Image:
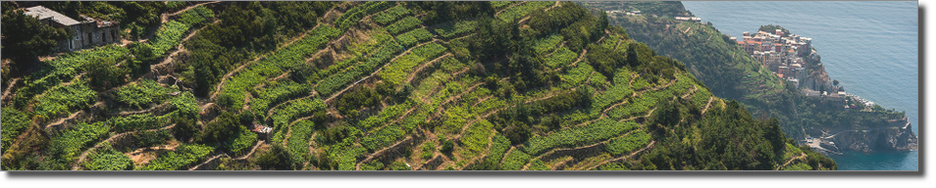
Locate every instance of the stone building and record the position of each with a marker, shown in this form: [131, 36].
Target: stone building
[89, 32]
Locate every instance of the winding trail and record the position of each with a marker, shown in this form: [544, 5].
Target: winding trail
[605, 111]
[708, 105]
[476, 118]
[216, 157]
[149, 110]
[84, 155]
[205, 106]
[381, 152]
[482, 100]
[602, 37]
[508, 7]
[423, 66]
[462, 71]
[801, 156]
[556, 49]
[624, 158]
[580, 57]
[562, 163]
[7, 91]
[225, 78]
[179, 49]
[619, 43]
[690, 92]
[508, 153]
[254, 149]
[62, 121]
[450, 99]
[72, 116]
[332, 97]
[558, 150]
[289, 128]
[638, 117]
[269, 115]
[165, 17]
[485, 152]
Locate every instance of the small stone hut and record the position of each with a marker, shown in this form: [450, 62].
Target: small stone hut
[89, 32]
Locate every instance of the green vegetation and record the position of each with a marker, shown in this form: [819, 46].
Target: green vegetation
[561, 58]
[515, 160]
[25, 37]
[67, 145]
[396, 72]
[276, 94]
[600, 130]
[234, 91]
[476, 139]
[548, 44]
[628, 143]
[403, 25]
[410, 38]
[64, 99]
[334, 82]
[108, 159]
[730, 73]
[299, 140]
[455, 30]
[537, 164]
[241, 143]
[391, 14]
[14, 123]
[351, 17]
[380, 86]
[168, 36]
[501, 4]
[296, 109]
[137, 122]
[63, 69]
[142, 94]
[183, 156]
[428, 150]
[519, 11]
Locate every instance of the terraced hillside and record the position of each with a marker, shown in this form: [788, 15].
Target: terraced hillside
[726, 68]
[394, 86]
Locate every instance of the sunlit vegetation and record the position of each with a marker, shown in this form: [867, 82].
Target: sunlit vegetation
[380, 86]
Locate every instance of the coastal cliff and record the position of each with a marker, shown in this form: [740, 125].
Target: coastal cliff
[886, 131]
[811, 111]
[895, 136]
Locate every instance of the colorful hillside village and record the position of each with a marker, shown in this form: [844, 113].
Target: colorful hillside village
[783, 55]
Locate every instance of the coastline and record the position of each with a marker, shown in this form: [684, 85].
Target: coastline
[761, 92]
[793, 59]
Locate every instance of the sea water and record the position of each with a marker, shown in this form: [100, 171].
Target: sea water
[870, 47]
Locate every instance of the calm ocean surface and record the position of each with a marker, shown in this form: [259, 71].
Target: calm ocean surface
[870, 47]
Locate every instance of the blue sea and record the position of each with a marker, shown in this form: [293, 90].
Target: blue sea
[870, 47]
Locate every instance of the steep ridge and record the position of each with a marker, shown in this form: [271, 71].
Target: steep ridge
[732, 73]
[465, 85]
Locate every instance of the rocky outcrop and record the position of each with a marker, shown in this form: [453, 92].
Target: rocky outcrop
[896, 136]
[897, 139]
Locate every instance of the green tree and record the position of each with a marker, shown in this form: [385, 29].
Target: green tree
[104, 74]
[24, 38]
[277, 158]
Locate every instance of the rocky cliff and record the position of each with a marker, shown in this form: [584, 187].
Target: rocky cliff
[894, 136]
